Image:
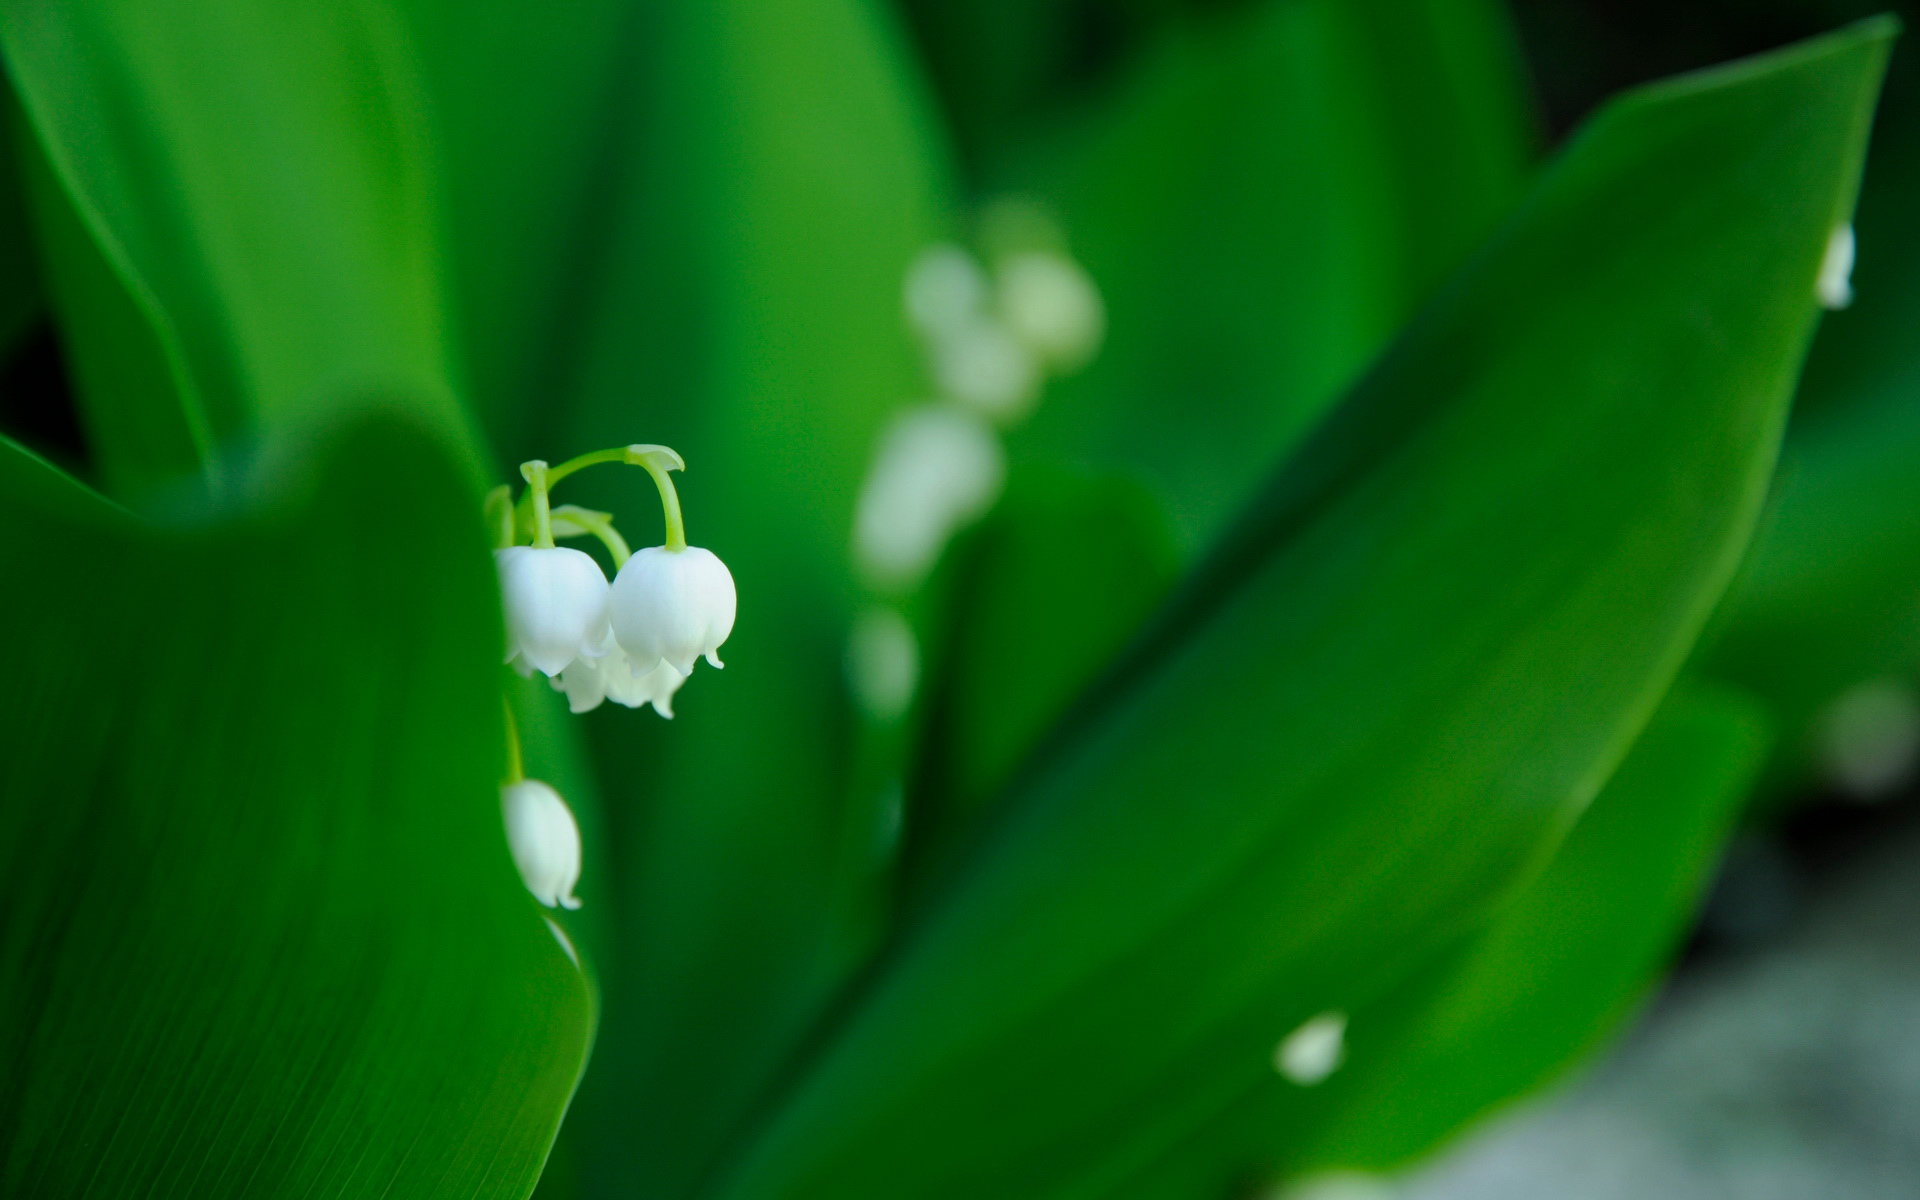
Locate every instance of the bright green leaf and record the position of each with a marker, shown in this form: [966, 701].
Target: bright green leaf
[1423, 650]
[260, 934]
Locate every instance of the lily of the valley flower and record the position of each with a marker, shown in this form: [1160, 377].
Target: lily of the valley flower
[556, 606]
[1835, 286]
[589, 682]
[544, 840]
[673, 604]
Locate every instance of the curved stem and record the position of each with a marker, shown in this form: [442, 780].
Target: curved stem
[657, 466]
[538, 476]
[598, 524]
[556, 474]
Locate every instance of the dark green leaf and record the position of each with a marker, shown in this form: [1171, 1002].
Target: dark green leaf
[255, 182]
[260, 934]
[1424, 649]
[1263, 204]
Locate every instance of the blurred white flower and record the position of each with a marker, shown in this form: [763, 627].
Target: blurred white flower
[883, 663]
[1835, 287]
[1314, 1051]
[985, 367]
[588, 682]
[545, 841]
[945, 291]
[675, 605]
[556, 606]
[1050, 303]
[937, 468]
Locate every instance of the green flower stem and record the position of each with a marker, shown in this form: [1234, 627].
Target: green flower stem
[658, 460]
[516, 770]
[537, 476]
[598, 524]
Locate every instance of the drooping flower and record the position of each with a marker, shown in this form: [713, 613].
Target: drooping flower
[588, 682]
[545, 841]
[673, 604]
[556, 606]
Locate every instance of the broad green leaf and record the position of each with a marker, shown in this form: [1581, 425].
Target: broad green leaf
[1562, 964]
[778, 180]
[253, 179]
[1424, 649]
[1263, 204]
[260, 934]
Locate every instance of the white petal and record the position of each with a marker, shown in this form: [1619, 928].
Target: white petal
[556, 604]
[1835, 287]
[1314, 1051]
[585, 683]
[545, 841]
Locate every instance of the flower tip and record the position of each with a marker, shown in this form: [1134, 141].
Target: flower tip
[570, 902]
[664, 457]
[713, 657]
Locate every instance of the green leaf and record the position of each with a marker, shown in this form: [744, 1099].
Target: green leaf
[778, 181]
[260, 934]
[255, 181]
[1425, 648]
[1563, 964]
[20, 298]
[1047, 593]
[1263, 205]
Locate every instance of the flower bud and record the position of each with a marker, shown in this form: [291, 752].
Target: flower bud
[1050, 303]
[556, 605]
[544, 840]
[672, 605]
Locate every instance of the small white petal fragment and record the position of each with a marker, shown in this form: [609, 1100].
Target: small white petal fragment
[945, 292]
[1836, 270]
[1870, 738]
[883, 663]
[1314, 1051]
[676, 605]
[556, 606]
[937, 469]
[1050, 303]
[545, 841]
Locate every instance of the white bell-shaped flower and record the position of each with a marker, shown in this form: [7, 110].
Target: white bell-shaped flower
[556, 605]
[673, 604]
[545, 841]
[589, 682]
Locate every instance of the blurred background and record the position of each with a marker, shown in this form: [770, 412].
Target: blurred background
[1782, 1059]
